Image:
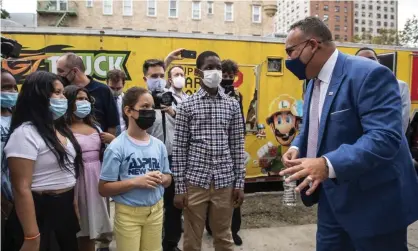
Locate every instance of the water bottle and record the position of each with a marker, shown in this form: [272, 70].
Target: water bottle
[289, 195]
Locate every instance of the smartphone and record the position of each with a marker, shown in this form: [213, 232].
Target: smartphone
[188, 54]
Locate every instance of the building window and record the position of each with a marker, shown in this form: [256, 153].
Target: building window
[371, 14]
[392, 25]
[371, 30]
[363, 14]
[256, 14]
[89, 3]
[385, 16]
[378, 8]
[337, 28]
[345, 38]
[173, 8]
[316, 6]
[337, 37]
[356, 29]
[379, 23]
[363, 7]
[229, 12]
[356, 21]
[196, 11]
[337, 18]
[345, 28]
[370, 22]
[127, 8]
[337, 8]
[392, 9]
[152, 8]
[385, 2]
[345, 9]
[392, 2]
[385, 8]
[385, 24]
[363, 22]
[325, 18]
[363, 29]
[370, 7]
[356, 14]
[379, 15]
[107, 7]
[210, 8]
[345, 18]
[326, 8]
[392, 17]
[356, 5]
[58, 5]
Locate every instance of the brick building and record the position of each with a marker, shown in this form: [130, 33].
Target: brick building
[338, 15]
[206, 17]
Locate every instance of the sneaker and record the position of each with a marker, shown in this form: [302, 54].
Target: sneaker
[237, 239]
[173, 249]
[103, 249]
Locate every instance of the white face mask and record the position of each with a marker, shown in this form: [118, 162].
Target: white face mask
[212, 78]
[178, 82]
[156, 84]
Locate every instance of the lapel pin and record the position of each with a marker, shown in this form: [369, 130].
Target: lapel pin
[330, 93]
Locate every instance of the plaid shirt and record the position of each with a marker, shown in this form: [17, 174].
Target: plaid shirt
[208, 143]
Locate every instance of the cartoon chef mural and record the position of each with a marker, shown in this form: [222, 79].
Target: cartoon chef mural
[285, 118]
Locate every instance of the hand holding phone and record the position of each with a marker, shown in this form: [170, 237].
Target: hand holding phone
[188, 54]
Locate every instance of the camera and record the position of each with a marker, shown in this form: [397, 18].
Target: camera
[162, 98]
[10, 48]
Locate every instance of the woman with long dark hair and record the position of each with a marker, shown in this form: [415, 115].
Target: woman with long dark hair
[94, 219]
[44, 160]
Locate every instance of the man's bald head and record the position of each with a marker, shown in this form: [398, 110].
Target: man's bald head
[72, 69]
[73, 61]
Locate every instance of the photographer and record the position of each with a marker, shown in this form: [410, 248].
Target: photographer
[163, 129]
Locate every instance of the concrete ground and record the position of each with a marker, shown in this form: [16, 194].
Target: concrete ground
[295, 238]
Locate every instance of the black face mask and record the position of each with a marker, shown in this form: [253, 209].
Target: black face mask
[227, 82]
[145, 119]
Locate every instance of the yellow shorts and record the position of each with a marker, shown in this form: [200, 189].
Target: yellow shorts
[138, 228]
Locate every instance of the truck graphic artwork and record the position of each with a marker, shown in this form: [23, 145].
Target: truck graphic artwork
[97, 63]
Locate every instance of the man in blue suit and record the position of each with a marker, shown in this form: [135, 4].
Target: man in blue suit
[351, 156]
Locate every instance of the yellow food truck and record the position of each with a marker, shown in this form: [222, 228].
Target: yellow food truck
[272, 96]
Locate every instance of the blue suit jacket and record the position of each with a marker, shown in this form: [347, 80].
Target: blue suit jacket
[360, 132]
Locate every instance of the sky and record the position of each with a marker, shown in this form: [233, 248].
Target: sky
[406, 8]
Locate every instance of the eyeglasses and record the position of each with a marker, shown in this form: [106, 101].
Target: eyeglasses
[292, 48]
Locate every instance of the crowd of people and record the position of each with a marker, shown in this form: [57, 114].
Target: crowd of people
[70, 143]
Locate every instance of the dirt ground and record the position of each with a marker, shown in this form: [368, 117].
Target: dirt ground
[267, 210]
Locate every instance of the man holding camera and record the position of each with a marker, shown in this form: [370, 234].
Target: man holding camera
[163, 129]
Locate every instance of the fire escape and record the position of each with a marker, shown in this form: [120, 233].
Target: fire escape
[58, 8]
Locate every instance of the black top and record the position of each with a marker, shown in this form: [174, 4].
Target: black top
[105, 109]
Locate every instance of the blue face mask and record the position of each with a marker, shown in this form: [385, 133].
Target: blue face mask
[8, 99]
[297, 67]
[58, 107]
[156, 84]
[83, 109]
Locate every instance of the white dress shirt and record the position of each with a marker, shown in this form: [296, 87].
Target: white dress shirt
[119, 107]
[325, 76]
[179, 98]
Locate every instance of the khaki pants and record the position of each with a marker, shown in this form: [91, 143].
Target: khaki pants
[219, 204]
[138, 228]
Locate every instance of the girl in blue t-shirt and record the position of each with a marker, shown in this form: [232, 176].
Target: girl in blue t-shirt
[134, 173]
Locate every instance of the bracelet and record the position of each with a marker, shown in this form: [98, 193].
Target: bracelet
[33, 238]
